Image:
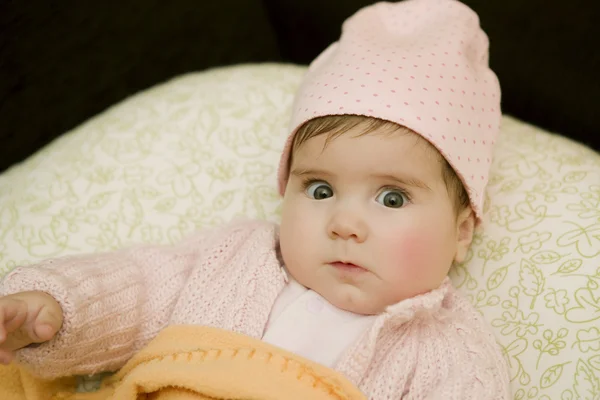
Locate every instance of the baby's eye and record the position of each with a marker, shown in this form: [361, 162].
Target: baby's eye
[392, 198]
[319, 190]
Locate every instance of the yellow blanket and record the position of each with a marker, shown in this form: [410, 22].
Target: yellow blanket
[193, 363]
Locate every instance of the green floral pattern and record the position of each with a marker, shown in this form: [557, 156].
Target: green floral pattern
[203, 148]
[534, 268]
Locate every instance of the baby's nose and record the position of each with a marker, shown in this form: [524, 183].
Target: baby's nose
[347, 226]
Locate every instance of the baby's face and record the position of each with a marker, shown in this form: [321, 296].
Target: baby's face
[368, 221]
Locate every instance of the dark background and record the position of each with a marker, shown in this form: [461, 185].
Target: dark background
[62, 62]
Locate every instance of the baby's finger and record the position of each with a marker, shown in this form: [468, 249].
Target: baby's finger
[6, 357]
[43, 332]
[12, 315]
[14, 320]
[46, 324]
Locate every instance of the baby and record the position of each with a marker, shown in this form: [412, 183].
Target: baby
[383, 181]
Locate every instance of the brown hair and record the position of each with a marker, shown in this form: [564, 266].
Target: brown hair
[336, 125]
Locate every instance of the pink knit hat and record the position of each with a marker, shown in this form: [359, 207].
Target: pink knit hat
[422, 64]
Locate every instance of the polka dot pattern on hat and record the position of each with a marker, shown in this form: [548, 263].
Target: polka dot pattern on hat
[420, 63]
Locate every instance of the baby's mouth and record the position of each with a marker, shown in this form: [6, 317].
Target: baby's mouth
[347, 267]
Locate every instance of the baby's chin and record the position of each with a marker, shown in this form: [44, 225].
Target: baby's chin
[353, 300]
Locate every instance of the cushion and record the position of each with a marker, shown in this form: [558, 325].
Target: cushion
[203, 148]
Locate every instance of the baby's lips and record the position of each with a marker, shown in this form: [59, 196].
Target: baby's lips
[346, 264]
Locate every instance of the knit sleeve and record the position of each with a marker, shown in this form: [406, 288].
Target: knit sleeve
[113, 304]
[459, 362]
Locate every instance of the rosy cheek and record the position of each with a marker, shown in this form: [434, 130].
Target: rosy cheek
[413, 253]
[410, 253]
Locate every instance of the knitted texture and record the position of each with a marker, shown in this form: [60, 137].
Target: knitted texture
[432, 346]
[422, 64]
[193, 362]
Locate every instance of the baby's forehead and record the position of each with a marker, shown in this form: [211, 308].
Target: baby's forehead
[406, 150]
[350, 138]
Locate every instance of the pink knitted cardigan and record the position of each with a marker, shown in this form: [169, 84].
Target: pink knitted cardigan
[434, 346]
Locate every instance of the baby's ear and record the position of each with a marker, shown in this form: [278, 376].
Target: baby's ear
[465, 225]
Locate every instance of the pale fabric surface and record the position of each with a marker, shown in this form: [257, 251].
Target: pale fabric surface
[202, 148]
[305, 323]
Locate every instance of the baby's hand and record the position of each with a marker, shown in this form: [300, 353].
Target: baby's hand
[26, 318]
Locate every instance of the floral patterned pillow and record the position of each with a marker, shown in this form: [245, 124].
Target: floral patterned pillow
[203, 148]
[534, 268]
